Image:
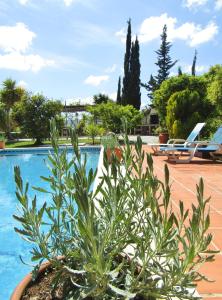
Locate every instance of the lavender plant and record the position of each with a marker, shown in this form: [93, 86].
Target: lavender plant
[120, 241]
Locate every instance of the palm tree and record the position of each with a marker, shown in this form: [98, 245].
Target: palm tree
[10, 94]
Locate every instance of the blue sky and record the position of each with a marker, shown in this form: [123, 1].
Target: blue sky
[74, 49]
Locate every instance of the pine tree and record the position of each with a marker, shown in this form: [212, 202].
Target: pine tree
[126, 78]
[134, 84]
[164, 61]
[118, 97]
[193, 69]
[180, 71]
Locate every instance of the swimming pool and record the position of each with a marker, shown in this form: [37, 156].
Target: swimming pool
[32, 165]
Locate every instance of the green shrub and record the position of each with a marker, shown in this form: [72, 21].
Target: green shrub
[111, 114]
[120, 241]
[110, 141]
[93, 131]
[195, 84]
[183, 112]
[33, 114]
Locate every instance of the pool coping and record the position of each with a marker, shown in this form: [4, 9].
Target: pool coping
[33, 150]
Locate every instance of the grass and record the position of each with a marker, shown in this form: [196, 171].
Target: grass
[26, 144]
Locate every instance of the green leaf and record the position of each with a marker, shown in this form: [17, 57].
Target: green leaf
[121, 292]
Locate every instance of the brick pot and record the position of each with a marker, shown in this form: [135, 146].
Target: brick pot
[2, 144]
[163, 138]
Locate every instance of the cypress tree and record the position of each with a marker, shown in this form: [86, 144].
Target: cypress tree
[134, 84]
[193, 69]
[118, 97]
[164, 61]
[180, 71]
[126, 78]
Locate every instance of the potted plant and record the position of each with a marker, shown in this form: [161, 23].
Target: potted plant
[112, 147]
[2, 141]
[119, 241]
[163, 134]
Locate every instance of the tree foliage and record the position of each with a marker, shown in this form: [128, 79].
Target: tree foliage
[3, 117]
[93, 130]
[131, 81]
[164, 61]
[184, 110]
[164, 64]
[33, 114]
[193, 68]
[177, 84]
[101, 98]
[214, 88]
[180, 71]
[118, 95]
[126, 78]
[151, 86]
[134, 97]
[110, 114]
[10, 94]
[214, 95]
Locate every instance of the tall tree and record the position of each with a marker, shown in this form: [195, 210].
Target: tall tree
[134, 83]
[118, 97]
[10, 94]
[164, 61]
[193, 69]
[126, 78]
[180, 71]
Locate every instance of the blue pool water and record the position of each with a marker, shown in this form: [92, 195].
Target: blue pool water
[32, 165]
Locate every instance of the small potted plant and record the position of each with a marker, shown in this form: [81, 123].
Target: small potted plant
[163, 134]
[112, 147]
[119, 241]
[2, 141]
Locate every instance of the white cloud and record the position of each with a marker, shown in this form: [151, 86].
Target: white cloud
[121, 34]
[22, 84]
[202, 35]
[86, 3]
[112, 96]
[23, 2]
[21, 62]
[68, 2]
[194, 34]
[192, 3]
[111, 69]
[152, 27]
[15, 41]
[218, 4]
[15, 38]
[96, 80]
[199, 68]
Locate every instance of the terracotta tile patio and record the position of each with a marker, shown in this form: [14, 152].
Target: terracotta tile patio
[184, 178]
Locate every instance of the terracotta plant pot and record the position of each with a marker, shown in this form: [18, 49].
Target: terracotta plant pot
[20, 288]
[117, 152]
[163, 138]
[2, 144]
